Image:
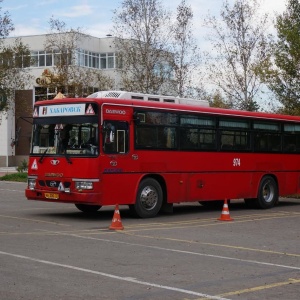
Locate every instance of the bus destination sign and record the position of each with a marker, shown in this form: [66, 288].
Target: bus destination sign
[61, 110]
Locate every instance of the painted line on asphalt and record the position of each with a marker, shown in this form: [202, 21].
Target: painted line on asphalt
[127, 279]
[10, 190]
[217, 223]
[262, 287]
[34, 220]
[191, 252]
[213, 244]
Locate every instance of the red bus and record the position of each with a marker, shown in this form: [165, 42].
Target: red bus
[149, 155]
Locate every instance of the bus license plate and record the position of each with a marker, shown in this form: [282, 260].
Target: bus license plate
[52, 196]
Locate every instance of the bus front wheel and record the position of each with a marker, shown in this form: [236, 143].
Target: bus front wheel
[88, 208]
[149, 199]
[267, 193]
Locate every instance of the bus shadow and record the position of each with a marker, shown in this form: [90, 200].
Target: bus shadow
[106, 213]
[236, 206]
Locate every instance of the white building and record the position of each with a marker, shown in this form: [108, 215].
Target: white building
[95, 53]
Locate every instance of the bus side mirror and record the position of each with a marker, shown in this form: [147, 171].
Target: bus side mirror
[136, 118]
[109, 133]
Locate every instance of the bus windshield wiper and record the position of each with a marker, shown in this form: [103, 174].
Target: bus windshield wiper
[43, 155]
[67, 157]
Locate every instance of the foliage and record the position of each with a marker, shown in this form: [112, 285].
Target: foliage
[19, 177]
[73, 79]
[155, 53]
[23, 167]
[216, 100]
[6, 25]
[186, 56]
[282, 74]
[13, 61]
[240, 46]
[143, 45]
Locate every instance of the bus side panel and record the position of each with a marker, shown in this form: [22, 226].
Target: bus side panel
[288, 183]
[220, 185]
[176, 187]
[119, 188]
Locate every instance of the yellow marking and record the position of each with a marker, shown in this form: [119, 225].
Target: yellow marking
[48, 232]
[254, 289]
[34, 220]
[236, 220]
[212, 244]
[280, 214]
[262, 287]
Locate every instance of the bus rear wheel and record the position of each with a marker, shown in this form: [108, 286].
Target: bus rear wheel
[267, 193]
[88, 208]
[149, 199]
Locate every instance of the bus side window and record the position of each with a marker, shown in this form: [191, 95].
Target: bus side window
[167, 137]
[189, 138]
[146, 137]
[290, 148]
[207, 139]
[227, 140]
[115, 137]
[108, 137]
[260, 142]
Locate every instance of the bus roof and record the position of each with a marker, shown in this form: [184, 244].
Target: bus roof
[172, 107]
[148, 97]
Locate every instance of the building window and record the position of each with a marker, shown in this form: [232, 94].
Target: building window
[103, 61]
[110, 60]
[41, 58]
[84, 58]
[44, 93]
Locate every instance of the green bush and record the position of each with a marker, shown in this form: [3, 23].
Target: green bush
[20, 177]
[23, 167]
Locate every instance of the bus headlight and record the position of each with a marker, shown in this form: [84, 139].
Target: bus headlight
[84, 185]
[31, 183]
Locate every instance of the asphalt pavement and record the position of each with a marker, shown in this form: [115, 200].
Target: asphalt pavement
[53, 251]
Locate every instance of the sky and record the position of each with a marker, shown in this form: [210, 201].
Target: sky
[94, 17]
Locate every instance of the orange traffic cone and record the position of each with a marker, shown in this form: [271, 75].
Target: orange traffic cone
[225, 216]
[116, 223]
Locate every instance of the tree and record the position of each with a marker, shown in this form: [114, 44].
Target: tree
[240, 47]
[216, 100]
[186, 56]
[68, 75]
[143, 39]
[13, 61]
[282, 74]
[14, 73]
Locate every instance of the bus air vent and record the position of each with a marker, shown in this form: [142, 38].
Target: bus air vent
[112, 95]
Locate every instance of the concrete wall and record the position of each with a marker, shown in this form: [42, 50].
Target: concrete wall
[23, 124]
[7, 133]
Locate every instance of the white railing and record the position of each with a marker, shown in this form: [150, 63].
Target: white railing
[148, 97]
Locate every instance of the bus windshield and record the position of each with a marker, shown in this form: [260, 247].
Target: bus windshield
[76, 139]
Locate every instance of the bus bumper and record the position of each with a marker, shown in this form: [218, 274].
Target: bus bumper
[73, 197]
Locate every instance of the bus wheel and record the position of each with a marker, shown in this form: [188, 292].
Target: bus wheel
[148, 199]
[88, 208]
[267, 193]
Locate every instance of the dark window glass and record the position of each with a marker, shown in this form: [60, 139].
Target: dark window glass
[115, 137]
[235, 140]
